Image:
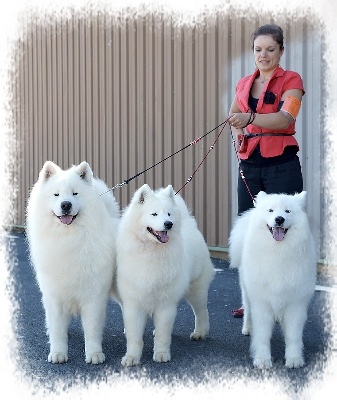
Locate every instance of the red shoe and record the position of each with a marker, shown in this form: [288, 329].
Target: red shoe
[237, 313]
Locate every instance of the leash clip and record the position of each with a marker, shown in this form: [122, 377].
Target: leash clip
[119, 185]
[113, 188]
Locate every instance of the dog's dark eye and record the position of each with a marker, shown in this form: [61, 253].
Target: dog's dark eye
[270, 210]
[154, 214]
[56, 194]
[288, 211]
[169, 214]
[75, 194]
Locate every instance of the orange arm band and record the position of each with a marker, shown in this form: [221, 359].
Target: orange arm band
[291, 106]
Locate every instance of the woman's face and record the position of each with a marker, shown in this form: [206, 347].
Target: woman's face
[267, 53]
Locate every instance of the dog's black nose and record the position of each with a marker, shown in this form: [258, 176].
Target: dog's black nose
[168, 224]
[279, 220]
[66, 206]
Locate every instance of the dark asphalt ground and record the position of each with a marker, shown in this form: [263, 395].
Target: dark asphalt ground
[223, 355]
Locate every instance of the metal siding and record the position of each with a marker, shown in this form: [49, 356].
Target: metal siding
[125, 92]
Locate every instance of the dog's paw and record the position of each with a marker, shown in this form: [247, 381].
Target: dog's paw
[245, 331]
[262, 363]
[162, 356]
[294, 362]
[57, 358]
[130, 361]
[95, 358]
[198, 335]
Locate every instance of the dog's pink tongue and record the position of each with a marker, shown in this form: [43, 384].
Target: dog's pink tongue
[163, 236]
[66, 219]
[278, 234]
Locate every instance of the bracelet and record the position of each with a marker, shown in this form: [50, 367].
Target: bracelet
[254, 115]
[250, 119]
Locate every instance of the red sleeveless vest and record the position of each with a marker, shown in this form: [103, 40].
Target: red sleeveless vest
[281, 80]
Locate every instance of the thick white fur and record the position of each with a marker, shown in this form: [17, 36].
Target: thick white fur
[277, 278]
[152, 277]
[74, 263]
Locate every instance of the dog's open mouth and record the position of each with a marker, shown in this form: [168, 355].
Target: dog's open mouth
[66, 219]
[161, 236]
[278, 232]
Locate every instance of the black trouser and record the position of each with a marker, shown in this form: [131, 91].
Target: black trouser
[285, 178]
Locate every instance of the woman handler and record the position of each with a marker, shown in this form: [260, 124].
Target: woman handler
[266, 105]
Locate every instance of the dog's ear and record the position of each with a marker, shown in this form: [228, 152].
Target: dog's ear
[302, 199]
[169, 191]
[260, 196]
[48, 170]
[142, 193]
[85, 171]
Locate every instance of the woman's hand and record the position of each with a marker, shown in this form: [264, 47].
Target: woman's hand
[239, 120]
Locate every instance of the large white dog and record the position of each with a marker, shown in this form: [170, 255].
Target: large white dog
[273, 247]
[71, 233]
[161, 258]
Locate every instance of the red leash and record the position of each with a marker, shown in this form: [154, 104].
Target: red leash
[209, 150]
[239, 164]
[119, 185]
[202, 161]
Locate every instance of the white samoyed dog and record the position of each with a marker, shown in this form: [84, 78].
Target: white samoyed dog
[273, 248]
[71, 232]
[162, 257]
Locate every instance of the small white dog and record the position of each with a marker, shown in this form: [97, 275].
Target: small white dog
[273, 248]
[71, 233]
[161, 258]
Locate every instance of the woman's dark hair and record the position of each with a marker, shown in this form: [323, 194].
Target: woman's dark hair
[272, 30]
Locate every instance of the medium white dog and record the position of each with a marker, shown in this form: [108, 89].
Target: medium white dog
[273, 247]
[71, 233]
[161, 258]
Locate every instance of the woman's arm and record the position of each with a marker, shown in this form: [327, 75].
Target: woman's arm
[234, 111]
[277, 120]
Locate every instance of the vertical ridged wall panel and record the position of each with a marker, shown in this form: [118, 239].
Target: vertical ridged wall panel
[125, 92]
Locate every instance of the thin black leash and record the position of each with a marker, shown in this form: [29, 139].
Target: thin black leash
[166, 158]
